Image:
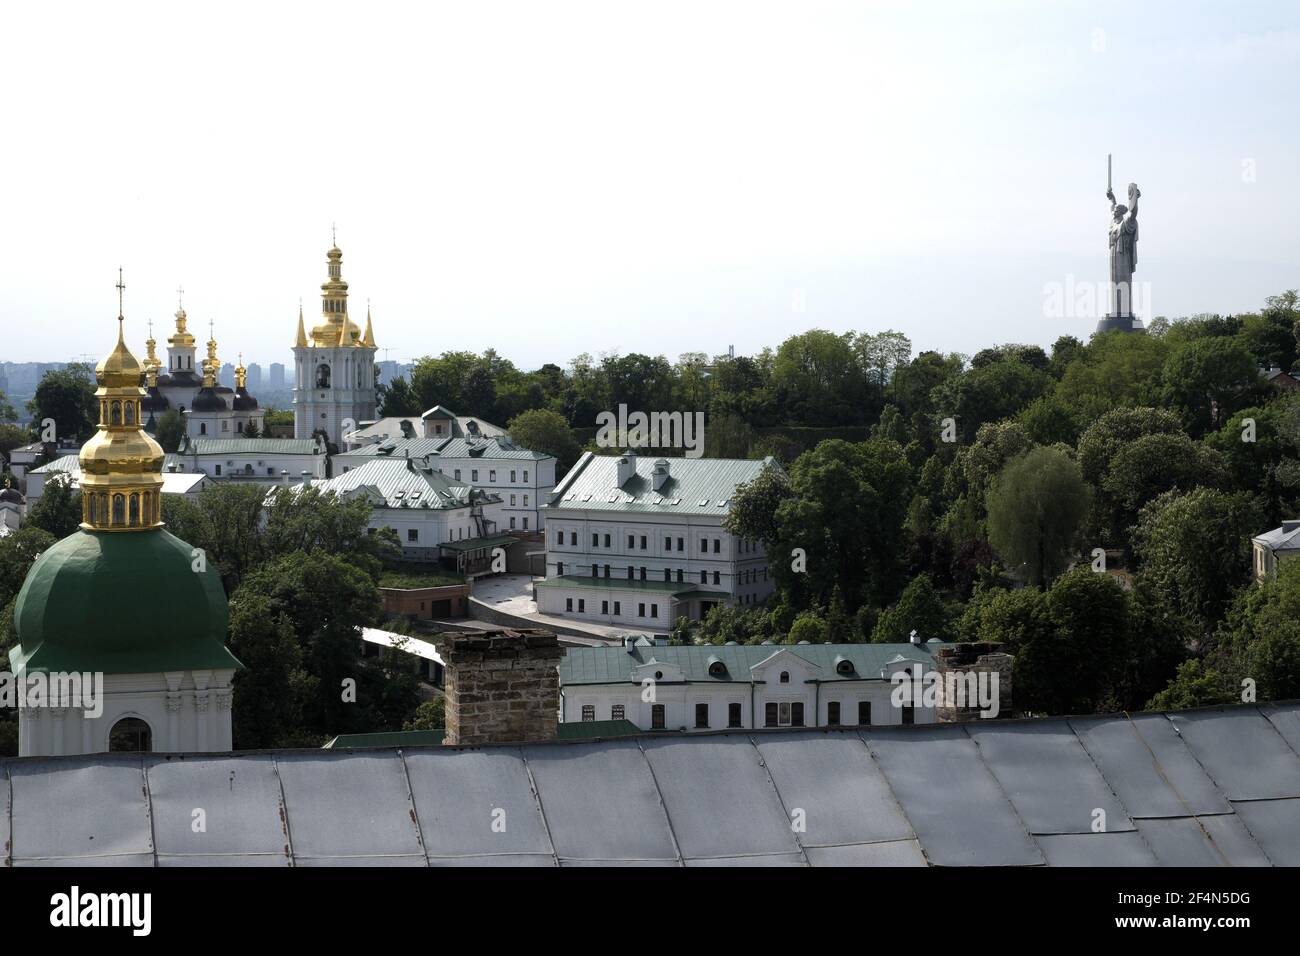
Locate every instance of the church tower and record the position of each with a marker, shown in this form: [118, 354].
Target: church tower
[334, 365]
[126, 620]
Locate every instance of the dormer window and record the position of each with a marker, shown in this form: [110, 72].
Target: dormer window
[785, 677]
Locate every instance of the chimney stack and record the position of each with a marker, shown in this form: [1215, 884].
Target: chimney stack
[660, 474]
[502, 685]
[626, 466]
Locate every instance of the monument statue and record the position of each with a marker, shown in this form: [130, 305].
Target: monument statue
[1123, 236]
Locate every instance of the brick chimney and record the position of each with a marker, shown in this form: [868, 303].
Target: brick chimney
[970, 663]
[502, 685]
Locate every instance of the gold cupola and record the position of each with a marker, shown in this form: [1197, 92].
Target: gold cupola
[151, 361]
[121, 465]
[211, 365]
[241, 374]
[183, 337]
[336, 330]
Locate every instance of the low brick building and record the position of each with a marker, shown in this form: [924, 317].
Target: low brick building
[449, 601]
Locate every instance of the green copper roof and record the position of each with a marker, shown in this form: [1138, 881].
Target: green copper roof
[695, 486]
[121, 603]
[610, 665]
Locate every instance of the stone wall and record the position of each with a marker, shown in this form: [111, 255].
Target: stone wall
[977, 658]
[502, 685]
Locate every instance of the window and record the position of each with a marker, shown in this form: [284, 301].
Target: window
[679, 575]
[769, 715]
[681, 544]
[573, 538]
[640, 610]
[631, 542]
[412, 534]
[796, 714]
[701, 715]
[568, 604]
[559, 539]
[595, 540]
[616, 712]
[218, 469]
[717, 578]
[582, 606]
[668, 544]
[642, 542]
[604, 607]
[512, 524]
[607, 570]
[130, 735]
[588, 713]
[594, 570]
[630, 572]
[668, 576]
[492, 476]
[559, 569]
[656, 716]
[512, 501]
[512, 477]
[833, 713]
[473, 476]
[704, 546]
[909, 714]
[607, 541]
[618, 608]
[704, 577]
[525, 477]
[642, 573]
[733, 715]
[525, 522]
[717, 545]
[864, 713]
[654, 610]
[458, 474]
[785, 677]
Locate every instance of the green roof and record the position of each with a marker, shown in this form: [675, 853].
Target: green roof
[695, 486]
[392, 738]
[619, 584]
[594, 729]
[250, 446]
[405, 483]
[121, 602]
[496, 447]
[613, 665]
[474, 544]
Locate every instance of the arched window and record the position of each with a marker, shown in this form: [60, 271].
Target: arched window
[130, 413]
[135, 510]
[203, 428]
[323, 375]
[785, 677]
[119, 510]
[130, 735]
[101, 509]
[116, 413]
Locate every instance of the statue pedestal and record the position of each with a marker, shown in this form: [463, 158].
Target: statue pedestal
[1119, 323]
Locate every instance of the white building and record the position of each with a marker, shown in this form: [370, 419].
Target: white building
[639, 542]
[334, 367]
[709, 687]
[250, 459]
[12, 510]
[521, 478]
[432, 515]
[1280, 544]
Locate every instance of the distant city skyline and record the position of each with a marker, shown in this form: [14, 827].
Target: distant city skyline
[589, 178]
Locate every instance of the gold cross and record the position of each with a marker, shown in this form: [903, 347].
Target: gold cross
[120, 287]
[180, 297]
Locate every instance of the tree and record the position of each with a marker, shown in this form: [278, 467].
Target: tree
[1069, 666]
[58, 509]
[7, 412]
[1117, 369]
[397, 399]
[919, 609]
[547, 432]
[250, 429]
[1035, 510]
[67, 397]
[1195, 551]
[991, 392]
[18, 552]
[1208, 379]
[1154, 464]
[1195, 685]
[169, 429]
[12, 436]
[431, 715]
[817, 379]
[754, 506]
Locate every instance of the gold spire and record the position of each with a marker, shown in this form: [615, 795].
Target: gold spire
[182, 338]
[211, 364]
[241, 373]
[368, 340]
[151, 361]
[301, 341]
[121, 465]
[336, 331]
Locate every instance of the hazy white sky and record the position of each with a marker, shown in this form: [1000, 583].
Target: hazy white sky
[550, 178]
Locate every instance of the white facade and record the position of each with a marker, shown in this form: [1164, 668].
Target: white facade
[253, 459]
[780, 689]
[69, 469]
[185, 711]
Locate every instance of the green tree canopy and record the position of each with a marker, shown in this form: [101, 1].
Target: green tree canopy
[1035, 510]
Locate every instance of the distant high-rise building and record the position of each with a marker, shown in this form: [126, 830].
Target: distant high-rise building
[254, 377]
[277, 377]
[227, 375]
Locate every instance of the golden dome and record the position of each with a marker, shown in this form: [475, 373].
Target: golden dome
[121, 465]
[118, 369]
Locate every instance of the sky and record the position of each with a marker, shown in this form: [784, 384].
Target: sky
[553, 178]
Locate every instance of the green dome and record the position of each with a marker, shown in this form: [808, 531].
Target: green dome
[124, 602]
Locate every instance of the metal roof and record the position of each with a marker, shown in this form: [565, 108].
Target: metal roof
[614, 665]
[1219, 786]
[473, 450]
[405, 483]
[695, 486]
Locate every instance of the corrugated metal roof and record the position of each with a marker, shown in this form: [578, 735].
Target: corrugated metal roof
[403, 483]
[1222, 787]
[613, 665]
[695, 486]
[251, 446]
[494, 448]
